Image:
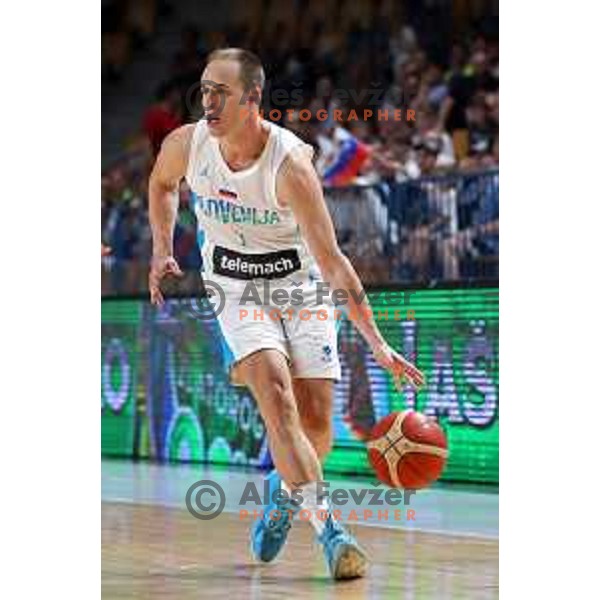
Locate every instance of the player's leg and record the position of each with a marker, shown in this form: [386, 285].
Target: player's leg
[314, 398]
[266, 373]
[255, 353]
[313, 349]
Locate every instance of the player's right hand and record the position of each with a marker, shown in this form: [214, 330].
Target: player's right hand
[159, 268]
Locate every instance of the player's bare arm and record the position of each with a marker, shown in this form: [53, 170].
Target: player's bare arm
[299, 187]
[163, 192]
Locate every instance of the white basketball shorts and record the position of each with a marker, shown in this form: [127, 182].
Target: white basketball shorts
[292, 314]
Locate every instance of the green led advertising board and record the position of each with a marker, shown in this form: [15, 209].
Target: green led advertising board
[165, 393]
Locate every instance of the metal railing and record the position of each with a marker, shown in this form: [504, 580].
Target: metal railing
[441, 228]
[427, 231]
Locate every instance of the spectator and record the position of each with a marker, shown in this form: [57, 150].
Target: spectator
[428, 151]
[481, 138]
[428, 130]
[116, 41]
[164, 116]
[463, 87]
[452, 88]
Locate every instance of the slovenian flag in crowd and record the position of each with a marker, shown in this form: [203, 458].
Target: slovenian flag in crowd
[347, 162]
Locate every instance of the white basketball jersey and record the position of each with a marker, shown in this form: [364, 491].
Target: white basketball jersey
[237, 211]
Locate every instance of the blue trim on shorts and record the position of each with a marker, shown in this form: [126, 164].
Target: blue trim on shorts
[226, 353]
[199, 231]
[338, 326]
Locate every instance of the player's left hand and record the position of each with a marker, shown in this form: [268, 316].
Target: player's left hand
[398, 366]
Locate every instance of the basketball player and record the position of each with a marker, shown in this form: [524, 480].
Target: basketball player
[260, 206]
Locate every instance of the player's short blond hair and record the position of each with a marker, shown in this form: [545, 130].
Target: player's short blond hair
[251, 70]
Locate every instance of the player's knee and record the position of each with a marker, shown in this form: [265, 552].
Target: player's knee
[318, 427]
[281, 415]
[318, 422]
[277, 391]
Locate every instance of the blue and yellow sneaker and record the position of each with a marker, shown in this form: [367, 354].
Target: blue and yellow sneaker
[345, 558]
[269, 533]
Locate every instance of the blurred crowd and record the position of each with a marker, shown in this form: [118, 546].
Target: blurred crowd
[348, 57]
[127, 28]
[126, 229]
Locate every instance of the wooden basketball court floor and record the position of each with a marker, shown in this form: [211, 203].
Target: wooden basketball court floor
[152, 547]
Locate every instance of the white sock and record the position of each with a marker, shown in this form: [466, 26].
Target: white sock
[317, 507]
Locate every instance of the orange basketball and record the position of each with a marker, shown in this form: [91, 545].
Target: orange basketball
[407, 450]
